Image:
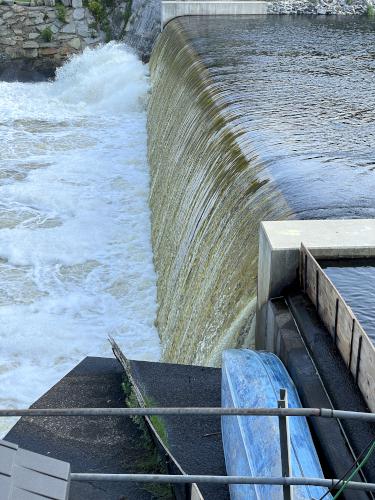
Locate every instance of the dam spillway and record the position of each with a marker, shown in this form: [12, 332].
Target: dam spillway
[252, 118]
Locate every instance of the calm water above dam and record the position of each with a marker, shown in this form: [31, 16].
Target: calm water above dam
[251, 118]
[75, 249]
[355, 280]
[300, 93]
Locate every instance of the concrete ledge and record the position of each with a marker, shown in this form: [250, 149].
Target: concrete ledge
[173, 9]
[279, 244]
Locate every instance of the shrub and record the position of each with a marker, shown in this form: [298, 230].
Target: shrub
[370, 11]
[61, 12]
[99, 11]
[46, 34]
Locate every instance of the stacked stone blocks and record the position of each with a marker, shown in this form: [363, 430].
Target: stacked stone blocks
[23, 31]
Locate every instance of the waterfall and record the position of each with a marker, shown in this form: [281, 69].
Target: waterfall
[207, 198]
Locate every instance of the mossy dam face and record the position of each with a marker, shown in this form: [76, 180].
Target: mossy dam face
[250, 118]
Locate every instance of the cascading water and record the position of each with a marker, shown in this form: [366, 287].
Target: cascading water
[251, 118]
[75, 247]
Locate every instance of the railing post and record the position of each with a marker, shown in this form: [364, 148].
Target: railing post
[286, 468]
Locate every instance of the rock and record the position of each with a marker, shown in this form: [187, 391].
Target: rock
[75, 43]
[32, 54]
[8, 15]
[78, 14]
[48, 51]
[30, 45]
[33, 36]
[69, 28]
[77, 4]
[83, 29]
[8, 41]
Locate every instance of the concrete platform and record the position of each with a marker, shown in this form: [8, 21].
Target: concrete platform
[97, 444]
[194, 441]
[279, 245]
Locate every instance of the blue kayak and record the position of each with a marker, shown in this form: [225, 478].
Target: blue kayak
[252, 379]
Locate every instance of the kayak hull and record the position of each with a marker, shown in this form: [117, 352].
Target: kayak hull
[252, 379]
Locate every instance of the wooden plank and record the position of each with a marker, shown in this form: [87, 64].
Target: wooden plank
[341, 323]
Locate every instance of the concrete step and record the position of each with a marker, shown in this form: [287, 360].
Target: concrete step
[96, 444]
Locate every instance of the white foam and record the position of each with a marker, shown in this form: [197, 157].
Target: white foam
[75, 251]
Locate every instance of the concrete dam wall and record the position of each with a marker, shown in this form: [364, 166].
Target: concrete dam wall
[243, 127]
[207, 199]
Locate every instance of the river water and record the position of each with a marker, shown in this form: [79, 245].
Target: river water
[300, 93]
[252, 118]
[75, 250]
[355, 280]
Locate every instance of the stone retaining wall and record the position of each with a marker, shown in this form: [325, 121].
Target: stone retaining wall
[25, 33]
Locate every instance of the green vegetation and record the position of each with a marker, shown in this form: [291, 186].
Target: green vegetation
[370, 12]
[46, 34]
[100, 9]
[61, 12]
[153, 464]
[128, 12]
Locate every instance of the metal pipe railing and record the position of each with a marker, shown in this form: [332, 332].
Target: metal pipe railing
[167, 478]
[189, 411]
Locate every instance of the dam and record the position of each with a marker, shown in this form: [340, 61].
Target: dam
[251, 118]
[193, 211]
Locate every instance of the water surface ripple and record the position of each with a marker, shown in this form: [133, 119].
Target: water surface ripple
[301, 91]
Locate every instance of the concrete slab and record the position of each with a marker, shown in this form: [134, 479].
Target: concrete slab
[194, 441]
[95, 444]
[279, 244]
[173, 9]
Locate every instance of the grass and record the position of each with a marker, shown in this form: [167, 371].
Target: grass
[61, 12]
[46, 34]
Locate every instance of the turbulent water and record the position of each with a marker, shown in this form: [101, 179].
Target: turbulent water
[251, 118]
[75, 250]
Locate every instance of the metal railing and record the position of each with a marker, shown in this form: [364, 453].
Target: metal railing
[283, 412]
[188, 411]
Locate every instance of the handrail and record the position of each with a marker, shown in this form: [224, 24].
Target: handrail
[166, 478]
[187, 411]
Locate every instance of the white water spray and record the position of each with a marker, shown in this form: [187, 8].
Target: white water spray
[75, 252]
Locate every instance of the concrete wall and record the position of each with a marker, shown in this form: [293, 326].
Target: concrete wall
[279, 245]
[173, 9]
